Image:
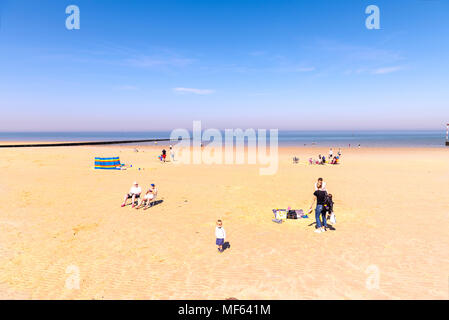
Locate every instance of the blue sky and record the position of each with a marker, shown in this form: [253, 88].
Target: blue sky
[159, 65]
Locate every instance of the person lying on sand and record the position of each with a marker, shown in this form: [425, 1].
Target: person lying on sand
[133, 194]
[149, 198]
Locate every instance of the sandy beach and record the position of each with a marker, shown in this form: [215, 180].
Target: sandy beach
[61, 220]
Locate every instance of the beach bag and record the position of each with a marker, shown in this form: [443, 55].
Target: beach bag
[292, 214]
[332, 219]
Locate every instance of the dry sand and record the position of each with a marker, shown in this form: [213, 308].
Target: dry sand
[59, 217]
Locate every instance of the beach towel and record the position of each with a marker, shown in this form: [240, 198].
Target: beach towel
[108, 163]
[280, 214]
[284, 214]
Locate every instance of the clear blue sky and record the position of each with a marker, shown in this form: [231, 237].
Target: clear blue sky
[156, 65]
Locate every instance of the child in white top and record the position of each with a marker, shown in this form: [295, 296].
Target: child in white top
[220, 234]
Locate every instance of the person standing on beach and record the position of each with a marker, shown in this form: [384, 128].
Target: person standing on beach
[172, 153]
[220, 234]
[331, 153]
[164, 154]
[319, 198]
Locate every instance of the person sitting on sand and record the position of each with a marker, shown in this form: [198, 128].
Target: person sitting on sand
[335, 160]
[321, 159]
[149, 198]
[319, 198]
[133, 194]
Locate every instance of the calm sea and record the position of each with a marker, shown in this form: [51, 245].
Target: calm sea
[286, 138]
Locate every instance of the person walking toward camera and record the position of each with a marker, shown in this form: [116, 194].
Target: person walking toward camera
[220, 234]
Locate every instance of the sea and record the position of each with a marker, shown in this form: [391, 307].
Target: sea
[409, 138]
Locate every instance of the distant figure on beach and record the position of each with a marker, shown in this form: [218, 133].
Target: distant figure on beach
[149, 197]
[220, 234]
[133, 194]
[339, 152]
[319, 198]
[331, 153]
[172, 154]
[164, 155]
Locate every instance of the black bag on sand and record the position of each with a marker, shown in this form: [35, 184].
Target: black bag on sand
[292, 214]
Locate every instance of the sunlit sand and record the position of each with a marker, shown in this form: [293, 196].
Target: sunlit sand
[60, 219]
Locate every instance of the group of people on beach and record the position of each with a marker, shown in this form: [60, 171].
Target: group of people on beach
[163, 156]
[331, 159]
[135, 194]
[322, 201]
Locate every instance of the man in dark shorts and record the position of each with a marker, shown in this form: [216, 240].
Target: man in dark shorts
[134, 193]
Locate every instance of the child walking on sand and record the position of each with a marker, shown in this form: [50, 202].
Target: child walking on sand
[220, 234]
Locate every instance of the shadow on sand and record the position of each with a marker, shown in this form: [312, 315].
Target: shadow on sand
[226, 245]
[154, 203]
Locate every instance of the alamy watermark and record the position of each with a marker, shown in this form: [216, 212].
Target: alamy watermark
[373, 279]
[73, 280]
[234, 146]
[72, 22]
[373, 20]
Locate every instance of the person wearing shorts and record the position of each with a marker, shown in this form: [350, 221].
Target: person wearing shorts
[220, 234]
[134, 193]
[149, 197]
